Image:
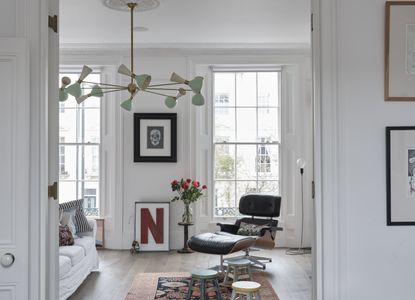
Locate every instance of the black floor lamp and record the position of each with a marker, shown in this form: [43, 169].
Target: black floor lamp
[300, 250]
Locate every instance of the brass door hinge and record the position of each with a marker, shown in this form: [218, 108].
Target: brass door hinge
[53, 23]
[53, 191]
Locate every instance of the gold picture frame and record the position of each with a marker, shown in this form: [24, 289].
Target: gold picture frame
[400, 51]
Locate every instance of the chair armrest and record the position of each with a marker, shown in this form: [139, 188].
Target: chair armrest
[230, 228]
[93, 233]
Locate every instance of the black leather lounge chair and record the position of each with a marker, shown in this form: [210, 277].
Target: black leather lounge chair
[259, 230]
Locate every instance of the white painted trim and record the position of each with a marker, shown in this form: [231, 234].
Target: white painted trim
[328, 260]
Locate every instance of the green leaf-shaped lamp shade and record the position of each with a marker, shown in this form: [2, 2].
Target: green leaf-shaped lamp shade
[74, 90]
[127, 104]
[170, 102]
[198, 100]
[196, 84]
[143, 81]
[63, 95]
[97, 91]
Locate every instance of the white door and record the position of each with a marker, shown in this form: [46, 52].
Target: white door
[14, 169]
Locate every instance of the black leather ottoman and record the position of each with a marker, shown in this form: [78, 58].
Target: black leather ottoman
[220, 243]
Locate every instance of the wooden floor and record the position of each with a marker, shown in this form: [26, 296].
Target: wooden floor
[290, 275]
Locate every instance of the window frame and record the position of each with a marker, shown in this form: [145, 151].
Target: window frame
[78, 145]
[251, 69]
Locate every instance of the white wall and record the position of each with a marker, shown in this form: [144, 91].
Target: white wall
[375, 261]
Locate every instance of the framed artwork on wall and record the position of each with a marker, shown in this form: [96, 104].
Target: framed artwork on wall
[155, 137]
[400, 51]
[152, 225]
[400, 175]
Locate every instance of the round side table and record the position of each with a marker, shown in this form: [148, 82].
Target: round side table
[185, 248]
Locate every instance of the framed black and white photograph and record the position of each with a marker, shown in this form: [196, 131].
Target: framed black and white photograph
[400, 51]
[155, 137]
[400, 175]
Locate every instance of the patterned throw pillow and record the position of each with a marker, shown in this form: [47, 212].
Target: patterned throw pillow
[65, 236]
[81, 223]
[250, 229]
[67, 217]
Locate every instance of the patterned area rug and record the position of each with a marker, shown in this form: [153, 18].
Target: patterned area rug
[174, 286]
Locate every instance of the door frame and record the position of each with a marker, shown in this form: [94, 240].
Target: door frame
[326, 269]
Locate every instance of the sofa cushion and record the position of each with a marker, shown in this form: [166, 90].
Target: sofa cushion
[81, 222]
[65, 265]
[250, 229]
[75, 253]
[86, 243]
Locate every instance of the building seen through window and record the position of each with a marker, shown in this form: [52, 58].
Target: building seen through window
[246, 137]
[79, 150]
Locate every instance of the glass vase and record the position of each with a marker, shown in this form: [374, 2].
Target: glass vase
[187, 216]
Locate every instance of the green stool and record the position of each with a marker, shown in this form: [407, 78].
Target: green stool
[248, 288]
[239, 269]
[200, 277]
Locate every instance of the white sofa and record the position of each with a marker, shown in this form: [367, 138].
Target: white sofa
[76, 262]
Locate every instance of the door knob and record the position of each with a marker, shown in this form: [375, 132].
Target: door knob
[7, 260]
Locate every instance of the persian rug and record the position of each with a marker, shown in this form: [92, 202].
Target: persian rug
[174, 286]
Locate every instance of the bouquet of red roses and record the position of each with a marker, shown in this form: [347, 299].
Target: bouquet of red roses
[188, 190]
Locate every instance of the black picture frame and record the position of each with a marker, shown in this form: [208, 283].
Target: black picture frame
[155, 137]
[400, 175]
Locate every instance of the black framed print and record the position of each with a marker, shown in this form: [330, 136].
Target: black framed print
[400, 175]
[155, 137]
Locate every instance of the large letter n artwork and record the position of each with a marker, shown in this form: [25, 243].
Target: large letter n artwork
[148, 225]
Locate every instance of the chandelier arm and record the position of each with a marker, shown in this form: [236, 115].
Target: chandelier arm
[106, 92]
[106, 84]
[166, 89]
[105, 88]
[147, 91]
[164, 84]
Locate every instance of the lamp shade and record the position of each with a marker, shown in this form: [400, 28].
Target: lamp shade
[63, 95]
[74, 90]
[170, 102]
[125, 71]
[143, 81]
[176, 78]
[82, 98]
[301, 163]
[127, 104]
[198, 100]
[96, 91]
[196, 84]
[85, 72]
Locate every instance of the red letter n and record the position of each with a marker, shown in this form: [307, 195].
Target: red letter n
[147, 223]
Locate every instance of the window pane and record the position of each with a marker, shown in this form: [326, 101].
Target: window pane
[246, 89]
[268, 94]
[91, 162]
[67, 125]
[224, 89]
[246, 125]
[224, 161]
[67, 162]
[245, 187]
[246, 162]
[271, 187]
[268, 125]
[67, 191]
[92, 125]
[90, 194]
[268, 164]
[224, 124]
[225, 194]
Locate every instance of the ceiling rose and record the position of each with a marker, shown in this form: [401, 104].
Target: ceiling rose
[142, 5]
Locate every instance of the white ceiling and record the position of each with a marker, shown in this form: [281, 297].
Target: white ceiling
[174, 22]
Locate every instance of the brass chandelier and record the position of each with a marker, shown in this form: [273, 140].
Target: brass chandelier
[139, 83]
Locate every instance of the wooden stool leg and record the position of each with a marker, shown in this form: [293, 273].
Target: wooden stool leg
[233, 295]
[257, 296]
[250, 272]
[218, 294]
[235, 273]
[225, 280]
[189, 292]
[249, 296]
[203, 289]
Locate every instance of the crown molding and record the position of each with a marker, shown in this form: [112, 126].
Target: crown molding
[186, 49]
